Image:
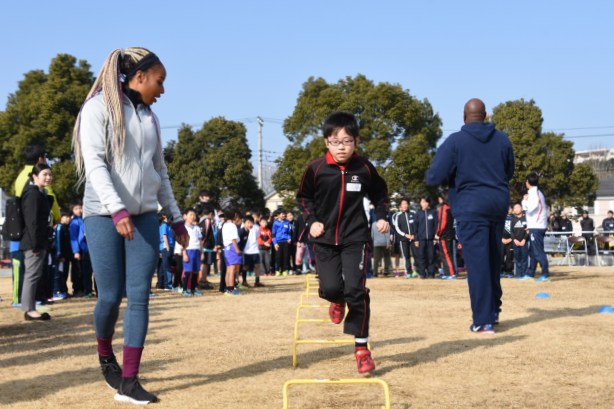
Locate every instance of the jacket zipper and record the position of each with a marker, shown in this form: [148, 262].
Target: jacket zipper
[426, 220]
[340, 207]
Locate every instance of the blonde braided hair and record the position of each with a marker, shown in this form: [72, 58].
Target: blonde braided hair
[109, 82]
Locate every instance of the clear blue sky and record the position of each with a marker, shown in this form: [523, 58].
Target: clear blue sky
[244, 59]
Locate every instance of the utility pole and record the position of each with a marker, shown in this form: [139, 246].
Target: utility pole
[260, 123]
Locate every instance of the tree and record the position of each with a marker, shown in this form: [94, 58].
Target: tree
[548, 154]
[387, 114]
[42, 112]
[216, 158]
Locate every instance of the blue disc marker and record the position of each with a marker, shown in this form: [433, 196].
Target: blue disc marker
[542, 295]
[606, 309]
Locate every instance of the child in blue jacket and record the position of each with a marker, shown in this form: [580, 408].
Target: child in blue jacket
[425, 225]
[81, 263]
[282, 237]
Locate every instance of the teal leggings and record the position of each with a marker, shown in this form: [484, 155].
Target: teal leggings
[118, 264]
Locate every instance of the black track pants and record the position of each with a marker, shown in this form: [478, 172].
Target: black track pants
[283, 256]
[507, 257]
[349, 260]
[447, 254]
[426, 259]
[406, 253]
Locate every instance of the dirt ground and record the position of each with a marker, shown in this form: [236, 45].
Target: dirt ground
[223, 352]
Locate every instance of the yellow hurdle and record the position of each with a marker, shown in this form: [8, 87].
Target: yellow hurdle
[298, 310]
[307, 320]
[318, 341]
[337, 382]
[307, 295]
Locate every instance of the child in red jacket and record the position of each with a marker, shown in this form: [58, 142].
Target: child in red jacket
[331, 196]
[265, 241]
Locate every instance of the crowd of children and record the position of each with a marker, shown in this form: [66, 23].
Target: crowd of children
[233, 246]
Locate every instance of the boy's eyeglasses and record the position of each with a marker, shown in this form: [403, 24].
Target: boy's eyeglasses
[346, 142]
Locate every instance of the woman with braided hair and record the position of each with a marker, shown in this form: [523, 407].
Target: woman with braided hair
[118, 154]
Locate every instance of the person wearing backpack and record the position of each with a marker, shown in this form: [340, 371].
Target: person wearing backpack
[35, 242]
[32, 154]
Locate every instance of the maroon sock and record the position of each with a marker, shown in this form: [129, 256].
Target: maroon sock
[132, 360]
[105, 349]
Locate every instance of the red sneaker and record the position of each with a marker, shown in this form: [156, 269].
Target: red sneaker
[259, 284]
[363, 360]
[336, 312]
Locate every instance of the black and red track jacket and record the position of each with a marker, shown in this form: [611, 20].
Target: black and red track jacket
[445, 222]
[333, 195]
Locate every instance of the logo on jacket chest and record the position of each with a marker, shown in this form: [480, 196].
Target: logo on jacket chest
[354, 184]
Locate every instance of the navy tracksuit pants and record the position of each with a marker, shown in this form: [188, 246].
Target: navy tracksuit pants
[536, 250]
[481, 241]
[521, 256]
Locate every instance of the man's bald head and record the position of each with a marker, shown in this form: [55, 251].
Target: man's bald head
[475, 111]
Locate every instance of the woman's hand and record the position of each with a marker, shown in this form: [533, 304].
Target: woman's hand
[125, 228]
[184, 240]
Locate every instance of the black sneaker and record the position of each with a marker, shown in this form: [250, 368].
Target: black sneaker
[111, 371]
[130, 390]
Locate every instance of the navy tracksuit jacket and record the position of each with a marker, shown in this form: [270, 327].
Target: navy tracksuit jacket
[425, 225]
[477, 164]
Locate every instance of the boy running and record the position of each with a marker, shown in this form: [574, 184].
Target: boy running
[331, 197]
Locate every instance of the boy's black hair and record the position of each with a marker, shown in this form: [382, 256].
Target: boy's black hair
[533, 179]
[205, 209]
[74, 203]
[161, 217]
[443, 194]
[338, 120]
[230, 211]
[190, 209]
[256, 212]
[204, 192]
[609, 211]
[32, 153]
[264, 219]
[184, 211]
[65, 211]
[404, 199]
[248, 218]
[515, 203]
[427, 199]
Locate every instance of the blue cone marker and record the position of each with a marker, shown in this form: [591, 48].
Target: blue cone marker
[606, 309]
[542, 295]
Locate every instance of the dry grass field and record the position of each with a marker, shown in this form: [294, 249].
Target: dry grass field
[222, 352]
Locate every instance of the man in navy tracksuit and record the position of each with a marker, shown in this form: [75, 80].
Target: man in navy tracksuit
[331, 197]
[425, 223]
[477, 163]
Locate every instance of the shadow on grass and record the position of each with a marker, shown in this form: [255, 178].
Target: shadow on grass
[259, 368]
[539, 315]
[41, 386]
[559, 277]
[434, 352]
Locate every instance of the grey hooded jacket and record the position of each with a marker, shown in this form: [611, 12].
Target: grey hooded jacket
[140, 181]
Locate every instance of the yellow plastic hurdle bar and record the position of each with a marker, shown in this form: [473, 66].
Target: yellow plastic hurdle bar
[304, 321]
[307, 295]
[337, 382]
[319, 341]
[298, 310]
